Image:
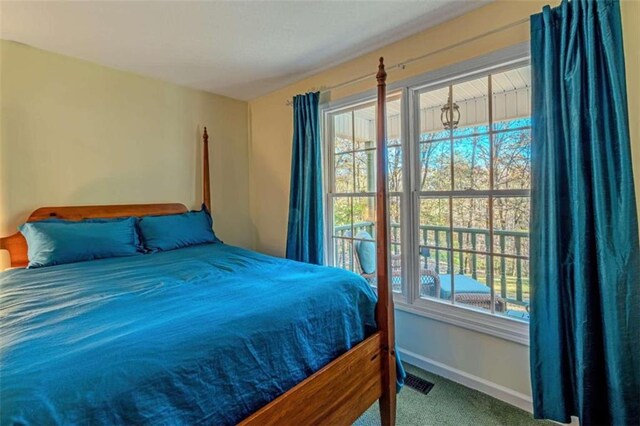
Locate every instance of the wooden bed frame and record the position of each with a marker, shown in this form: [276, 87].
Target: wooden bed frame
[345, 388]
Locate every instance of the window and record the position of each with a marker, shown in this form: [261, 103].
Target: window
[473, 207]
[459, 185]
[352, 192]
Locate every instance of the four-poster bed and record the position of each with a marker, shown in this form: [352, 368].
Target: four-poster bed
[343, 389]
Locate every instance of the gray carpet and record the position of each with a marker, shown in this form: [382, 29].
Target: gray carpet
[450, 404]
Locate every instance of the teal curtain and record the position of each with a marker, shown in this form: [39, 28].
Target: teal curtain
[585, 260]
[305, 230]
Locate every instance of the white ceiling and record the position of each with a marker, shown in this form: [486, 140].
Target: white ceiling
[503, 82]
[241, 49]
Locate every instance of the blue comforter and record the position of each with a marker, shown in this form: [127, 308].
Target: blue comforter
[201, 335]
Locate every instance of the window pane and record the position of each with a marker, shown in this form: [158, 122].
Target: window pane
[365, 259]
[365, 168]
[511, 284]
[364, 249]
[434, 265]
[431, 103]
[395, 169]
[394, 141]
[343, 177]
[435, 166]
[434, 222]
[435, 157]
[512, 153]
[471, 162]
[470, 107]
[365, 233]
[434, 238]
[343, 253]
[342, 216]
[394, 121]
[365, 127]
[364, 216]
[511, 225]
[361, 204]
[471, 223]
[511, 97]
[343, 132]
[395, 216]
[471, 286]
[395, 238]
[396, 268]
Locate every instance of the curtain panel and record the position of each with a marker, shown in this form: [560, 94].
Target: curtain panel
[305, 241]
[585, 260]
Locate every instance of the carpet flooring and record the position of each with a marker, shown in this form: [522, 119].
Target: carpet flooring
[450, 404]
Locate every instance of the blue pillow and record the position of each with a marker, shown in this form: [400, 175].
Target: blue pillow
[366, 251]
[138, 240]
[174, 231]
[58, 242]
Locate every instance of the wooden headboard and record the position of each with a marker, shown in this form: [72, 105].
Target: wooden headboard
[16, 244]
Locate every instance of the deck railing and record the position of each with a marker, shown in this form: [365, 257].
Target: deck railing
[509, 246]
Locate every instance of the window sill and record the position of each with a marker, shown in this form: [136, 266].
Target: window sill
[471, 319]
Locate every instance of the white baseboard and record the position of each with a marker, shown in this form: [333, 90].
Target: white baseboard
[495, 390]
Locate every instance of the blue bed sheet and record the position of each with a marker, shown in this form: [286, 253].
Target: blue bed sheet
[200, 335]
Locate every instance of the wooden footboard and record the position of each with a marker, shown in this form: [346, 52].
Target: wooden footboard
[335, 395]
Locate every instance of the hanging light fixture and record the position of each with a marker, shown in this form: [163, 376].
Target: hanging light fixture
[450, 115]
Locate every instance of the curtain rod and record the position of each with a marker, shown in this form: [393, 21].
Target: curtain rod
[402, 65]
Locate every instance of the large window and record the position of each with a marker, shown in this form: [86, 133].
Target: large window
[459, 184]
[473, 196]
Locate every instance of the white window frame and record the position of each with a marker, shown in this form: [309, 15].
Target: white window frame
[410, 301]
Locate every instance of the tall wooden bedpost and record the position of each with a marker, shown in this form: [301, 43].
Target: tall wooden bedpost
[206, 190]
[384, 308]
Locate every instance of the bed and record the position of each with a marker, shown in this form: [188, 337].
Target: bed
[209, 334]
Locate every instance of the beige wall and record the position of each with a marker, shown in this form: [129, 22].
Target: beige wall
[73, 132]
[270, 155]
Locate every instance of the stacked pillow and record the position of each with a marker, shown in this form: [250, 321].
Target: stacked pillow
[55, 241]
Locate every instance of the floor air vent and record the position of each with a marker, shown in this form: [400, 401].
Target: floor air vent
[417, 383]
